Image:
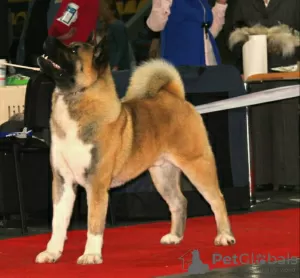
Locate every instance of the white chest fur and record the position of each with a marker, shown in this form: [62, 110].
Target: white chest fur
[70, 155]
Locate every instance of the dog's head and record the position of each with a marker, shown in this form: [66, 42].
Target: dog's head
[76, 66]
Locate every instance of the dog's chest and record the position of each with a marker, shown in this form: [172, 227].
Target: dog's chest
[70, 155]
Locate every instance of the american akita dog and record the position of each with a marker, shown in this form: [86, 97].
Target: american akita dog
[100, 142]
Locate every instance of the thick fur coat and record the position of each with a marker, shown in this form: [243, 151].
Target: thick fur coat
[100, 142]
[281, 39]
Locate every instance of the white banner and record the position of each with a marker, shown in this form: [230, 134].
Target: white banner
[251, 99]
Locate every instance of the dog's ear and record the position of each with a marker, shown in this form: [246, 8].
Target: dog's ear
[91, 38]
[94, 38]
[101, 56]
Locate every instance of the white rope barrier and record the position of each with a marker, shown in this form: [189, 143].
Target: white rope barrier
[19, 66]
[251, 99]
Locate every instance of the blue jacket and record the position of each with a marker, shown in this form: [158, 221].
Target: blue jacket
[182, 40]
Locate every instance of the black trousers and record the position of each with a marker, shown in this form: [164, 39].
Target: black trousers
[275, 138]
[4, 29]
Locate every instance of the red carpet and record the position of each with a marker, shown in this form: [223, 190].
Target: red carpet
[135, 251]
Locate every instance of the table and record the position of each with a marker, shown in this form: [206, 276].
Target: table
[273, 76]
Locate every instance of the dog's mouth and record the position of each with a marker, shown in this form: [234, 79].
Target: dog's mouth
[50, 62]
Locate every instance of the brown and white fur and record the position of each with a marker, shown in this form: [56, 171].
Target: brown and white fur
[101, 142]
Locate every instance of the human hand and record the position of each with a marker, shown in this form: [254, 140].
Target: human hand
[115, 68]
[223, 2]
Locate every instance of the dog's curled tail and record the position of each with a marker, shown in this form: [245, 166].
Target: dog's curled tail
[152, 77]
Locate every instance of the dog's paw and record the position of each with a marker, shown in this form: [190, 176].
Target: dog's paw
[47, 257]
[224, 239]
[170, 239]
[89, 259]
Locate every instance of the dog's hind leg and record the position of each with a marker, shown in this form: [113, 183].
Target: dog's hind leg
[166, 179]
[202, 172]
[63, 202]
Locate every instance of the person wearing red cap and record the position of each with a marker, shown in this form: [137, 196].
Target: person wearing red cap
[75, 20]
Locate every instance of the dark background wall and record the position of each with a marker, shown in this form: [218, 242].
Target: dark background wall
[3, 29]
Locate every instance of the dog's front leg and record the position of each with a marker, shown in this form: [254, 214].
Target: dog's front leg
[97, 196]
[63, 201]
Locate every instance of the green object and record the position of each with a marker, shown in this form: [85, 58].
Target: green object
[17, 80]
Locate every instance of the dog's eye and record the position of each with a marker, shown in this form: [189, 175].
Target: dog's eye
[74, 49]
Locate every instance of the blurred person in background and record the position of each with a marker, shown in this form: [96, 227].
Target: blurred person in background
[119, 48]
[52, 11]
[75, 20]
[268, 13]
[58, 19]
[274, 126]
[187, 31]
[4, 30]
